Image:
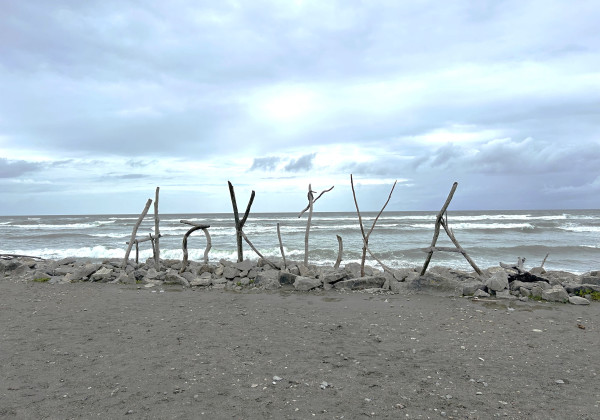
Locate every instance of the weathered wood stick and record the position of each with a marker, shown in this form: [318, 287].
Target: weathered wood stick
[310, 207]
[362, 229]
[314, 201]
[310, 212]
[258, 252]
[150, 238]
[135, 228]
[438, 221]
[156, 244]
[185, 239]
[239, 224]
[340, 251]
[200, 225]
[460, 249]
[137, 251]
[385, 267]
[281, 246]
[544, 262]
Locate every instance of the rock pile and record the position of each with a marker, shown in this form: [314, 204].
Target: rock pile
[497, 282]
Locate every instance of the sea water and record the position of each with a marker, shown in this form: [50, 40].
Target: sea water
[570, 238]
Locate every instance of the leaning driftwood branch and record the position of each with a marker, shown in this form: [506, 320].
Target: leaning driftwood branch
[281, 246]
[239, 224]
[134, 232]
[258, 252]
[442, 220]
[340, 251]
[362, 229]
[385, 267]
[195, 227]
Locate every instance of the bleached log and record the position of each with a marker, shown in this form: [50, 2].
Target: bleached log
[156, 242]
[195, 227]
[311, 201]
[340, 251]
[239, 224]
[362, 229]
[442, 220]
[258, 252]
[135, 229]
[281, 246]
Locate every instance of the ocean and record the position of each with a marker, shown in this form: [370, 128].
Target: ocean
[571, 238]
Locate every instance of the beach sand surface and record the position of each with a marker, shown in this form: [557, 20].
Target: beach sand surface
[89, 350]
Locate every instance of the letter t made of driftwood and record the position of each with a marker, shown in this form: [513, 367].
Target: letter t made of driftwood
[239, 224]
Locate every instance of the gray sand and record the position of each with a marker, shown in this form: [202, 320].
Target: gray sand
[89, 350]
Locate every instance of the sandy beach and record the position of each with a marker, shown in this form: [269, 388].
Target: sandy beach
[91, 350]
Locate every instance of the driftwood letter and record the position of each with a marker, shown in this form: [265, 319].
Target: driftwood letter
[239, 224]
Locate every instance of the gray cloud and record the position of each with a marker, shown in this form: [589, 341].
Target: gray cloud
[138, 84]
[267, 163]
[17, 168]
[303, 163]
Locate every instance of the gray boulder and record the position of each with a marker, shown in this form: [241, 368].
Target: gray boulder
[578, 300]
[556, 294]
[306, 283]
[498, 281]
[361, 283]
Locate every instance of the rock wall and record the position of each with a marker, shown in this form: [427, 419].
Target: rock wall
[496, 282]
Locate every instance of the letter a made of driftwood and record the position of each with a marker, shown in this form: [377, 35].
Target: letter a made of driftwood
[239, 224]
[362, 229]
[442, 220]
[195, 227]
[309, 207]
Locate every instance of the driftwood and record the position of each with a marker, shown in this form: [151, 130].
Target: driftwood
[518, 267]
[281, 246]
[133, 234]
[442, 220]
[309, 207]
[340, 251]
[195, 227]
[136, 241]
[156, 243]
[258, 252]
[362, 229]
[239, 224]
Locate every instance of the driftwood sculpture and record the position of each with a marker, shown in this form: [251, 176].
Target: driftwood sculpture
[362, 229]
[239, 224]
[137, 246]
[195, 227]
[134, 232]
[442, 220]
[309, 207]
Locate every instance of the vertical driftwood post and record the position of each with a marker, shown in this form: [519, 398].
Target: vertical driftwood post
[309, 207]
[239, 224]
[441, 220]
[156, 244]
[281, 246]
[362, 229]
[135, 228]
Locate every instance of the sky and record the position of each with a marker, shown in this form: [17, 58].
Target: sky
[102, 101]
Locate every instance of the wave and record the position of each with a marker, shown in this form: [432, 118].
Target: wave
[580, 228]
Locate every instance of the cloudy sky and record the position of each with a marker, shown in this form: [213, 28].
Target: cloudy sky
[102, 101]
